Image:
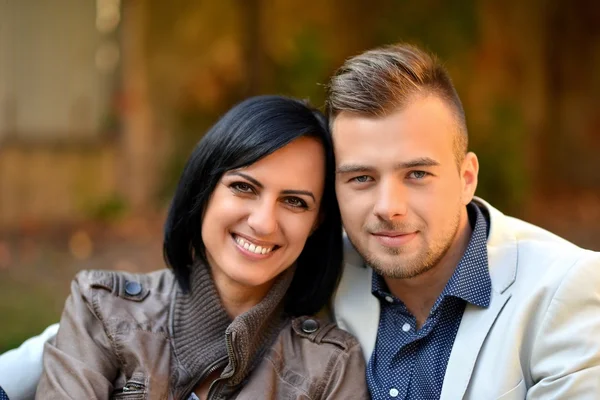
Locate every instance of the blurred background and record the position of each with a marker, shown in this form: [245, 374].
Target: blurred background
[101, 102]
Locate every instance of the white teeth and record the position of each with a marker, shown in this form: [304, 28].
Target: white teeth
[252, 247]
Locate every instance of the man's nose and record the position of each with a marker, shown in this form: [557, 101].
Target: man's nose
[263, 217]
[391, 200]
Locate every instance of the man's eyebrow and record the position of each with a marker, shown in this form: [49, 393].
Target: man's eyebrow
[248, 177]
[350, 168]
[418, 162]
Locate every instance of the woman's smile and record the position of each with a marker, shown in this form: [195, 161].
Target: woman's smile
[252, 248]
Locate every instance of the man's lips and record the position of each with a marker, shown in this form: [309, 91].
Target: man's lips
[394, 239]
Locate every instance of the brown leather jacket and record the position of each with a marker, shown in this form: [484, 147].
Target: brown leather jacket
[138, 336]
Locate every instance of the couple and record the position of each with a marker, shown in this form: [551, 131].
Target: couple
[443, 296]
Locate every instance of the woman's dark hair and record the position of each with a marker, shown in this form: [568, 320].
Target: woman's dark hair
[248, 132]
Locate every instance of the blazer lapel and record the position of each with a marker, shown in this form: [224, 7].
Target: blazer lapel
[474, 327]
[476, 321]
[356, 310]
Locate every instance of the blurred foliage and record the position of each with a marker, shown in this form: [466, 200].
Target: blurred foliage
[295, 54]
[109, 209]
[301, 74]
[502, 154]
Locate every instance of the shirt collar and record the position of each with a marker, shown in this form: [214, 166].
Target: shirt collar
[471, 279]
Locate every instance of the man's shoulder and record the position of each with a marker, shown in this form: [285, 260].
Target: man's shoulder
[539, 252]
[505, 229]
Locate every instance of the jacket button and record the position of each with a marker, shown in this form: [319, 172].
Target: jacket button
[310, 326]
[133, 288]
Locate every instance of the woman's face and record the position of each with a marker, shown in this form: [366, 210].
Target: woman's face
[259, 217]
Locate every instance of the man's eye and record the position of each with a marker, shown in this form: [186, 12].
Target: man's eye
[242, 187]
[417, 174]
[362, 179]
[296, 202]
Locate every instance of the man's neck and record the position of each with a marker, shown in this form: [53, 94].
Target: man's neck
[420, 293]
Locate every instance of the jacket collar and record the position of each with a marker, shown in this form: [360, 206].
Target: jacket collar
[501, 246]
[476, 322]
[204, 336]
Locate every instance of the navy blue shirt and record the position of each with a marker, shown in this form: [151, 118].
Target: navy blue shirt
[411, 364]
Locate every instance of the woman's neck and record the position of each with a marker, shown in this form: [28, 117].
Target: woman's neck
[237, 298]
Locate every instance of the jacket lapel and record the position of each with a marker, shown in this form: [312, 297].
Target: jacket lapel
[356, 310]
[476, 321]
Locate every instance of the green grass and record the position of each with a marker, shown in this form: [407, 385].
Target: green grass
[26, 308]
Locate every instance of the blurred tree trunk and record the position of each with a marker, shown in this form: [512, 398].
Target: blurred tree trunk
[572, 126]
[254, 54]
[138, 146]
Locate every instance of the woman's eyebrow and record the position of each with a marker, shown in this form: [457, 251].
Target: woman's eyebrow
[248, 177]
[286, 192]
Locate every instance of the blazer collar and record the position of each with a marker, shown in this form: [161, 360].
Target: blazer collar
[476, 322]
[501, 247]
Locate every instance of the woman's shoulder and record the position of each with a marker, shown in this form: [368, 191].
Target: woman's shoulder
[124, 295]
[310, 340]
[128, 285]
[311, 358]
[321, 331]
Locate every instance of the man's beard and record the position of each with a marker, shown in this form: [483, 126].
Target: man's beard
[416, 265]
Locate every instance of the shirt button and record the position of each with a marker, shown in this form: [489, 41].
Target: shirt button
[394, 392]
[406, 327]
[389, 299]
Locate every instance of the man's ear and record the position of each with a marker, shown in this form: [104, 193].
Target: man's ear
[469, 172]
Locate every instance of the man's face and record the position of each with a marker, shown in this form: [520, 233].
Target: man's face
[401, 194]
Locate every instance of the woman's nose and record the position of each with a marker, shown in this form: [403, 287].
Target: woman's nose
[263, 218]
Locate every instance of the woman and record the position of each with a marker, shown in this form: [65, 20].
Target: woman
[253, 242]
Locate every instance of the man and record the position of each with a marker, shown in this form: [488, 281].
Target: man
[449, 298]
[456, 299]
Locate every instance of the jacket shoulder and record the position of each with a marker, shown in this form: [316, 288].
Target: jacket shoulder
[311, 358]
[321, 331]
[122, 299]
[126, 285]
[319, 358]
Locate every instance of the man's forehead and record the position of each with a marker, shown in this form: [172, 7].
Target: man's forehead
[423, 131]
[424, 124]
[423, 112]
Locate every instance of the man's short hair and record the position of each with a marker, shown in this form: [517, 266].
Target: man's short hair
[386, 79]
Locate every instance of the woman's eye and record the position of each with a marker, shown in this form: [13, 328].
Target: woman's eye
[242, 187]
[362, 179]
[417, 174]
[296, 202]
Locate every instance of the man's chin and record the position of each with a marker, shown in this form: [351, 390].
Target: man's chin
[397, 266]
[398, 272]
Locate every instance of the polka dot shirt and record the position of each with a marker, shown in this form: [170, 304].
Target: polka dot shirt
[3, 395]
[409, 363]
